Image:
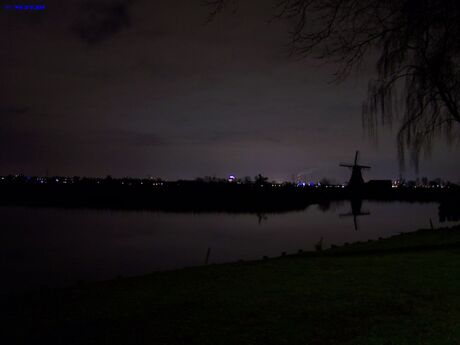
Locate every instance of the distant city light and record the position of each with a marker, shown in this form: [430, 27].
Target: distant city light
[401, 183]
[26, 7]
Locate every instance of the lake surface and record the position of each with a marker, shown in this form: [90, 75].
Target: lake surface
[57, 247]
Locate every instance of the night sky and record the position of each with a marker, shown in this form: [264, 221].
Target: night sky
[147, 88]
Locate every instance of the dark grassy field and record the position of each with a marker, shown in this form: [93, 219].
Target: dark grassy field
[403, 290]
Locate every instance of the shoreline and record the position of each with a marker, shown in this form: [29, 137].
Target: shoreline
[205, 197]
[398, 290]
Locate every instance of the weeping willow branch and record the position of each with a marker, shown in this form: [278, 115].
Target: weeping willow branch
[417, 43]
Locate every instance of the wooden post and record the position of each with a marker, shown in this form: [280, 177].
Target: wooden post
[208, 254]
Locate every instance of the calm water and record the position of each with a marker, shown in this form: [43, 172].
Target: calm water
[56, 247]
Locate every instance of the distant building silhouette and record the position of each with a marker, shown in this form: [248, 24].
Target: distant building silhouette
[379, 185]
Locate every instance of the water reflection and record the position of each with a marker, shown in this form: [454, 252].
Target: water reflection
[56, 247]
[356, 211]
[449, 212]
[261, 217]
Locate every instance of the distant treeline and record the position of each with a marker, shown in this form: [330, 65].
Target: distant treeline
[257, 196]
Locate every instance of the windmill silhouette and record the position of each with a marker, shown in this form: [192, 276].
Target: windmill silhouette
[356, 179]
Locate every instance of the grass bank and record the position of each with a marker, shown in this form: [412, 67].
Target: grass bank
[402, 290]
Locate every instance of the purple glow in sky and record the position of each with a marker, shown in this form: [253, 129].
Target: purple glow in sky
[138, 88]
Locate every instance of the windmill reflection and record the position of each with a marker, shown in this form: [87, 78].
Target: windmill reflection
[356, 211]
[449, 212]
[261, 217]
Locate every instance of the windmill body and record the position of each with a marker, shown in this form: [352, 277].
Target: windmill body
[356, 179]
[356, 185]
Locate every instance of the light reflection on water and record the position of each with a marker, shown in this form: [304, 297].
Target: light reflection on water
[56, 247]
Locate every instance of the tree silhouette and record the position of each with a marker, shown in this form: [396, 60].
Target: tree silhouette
[260, 180]
[417, 45]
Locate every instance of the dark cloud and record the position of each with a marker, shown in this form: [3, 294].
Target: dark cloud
[13, 110]
[129, 138]
[241, 137]
[100, 20]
